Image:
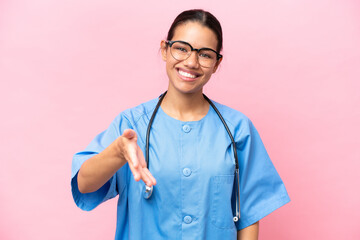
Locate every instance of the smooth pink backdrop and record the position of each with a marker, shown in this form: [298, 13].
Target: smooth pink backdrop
[67, 68]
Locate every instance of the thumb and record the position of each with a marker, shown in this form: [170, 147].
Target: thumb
[129, 134]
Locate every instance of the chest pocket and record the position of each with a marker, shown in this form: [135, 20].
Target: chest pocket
[220, 210]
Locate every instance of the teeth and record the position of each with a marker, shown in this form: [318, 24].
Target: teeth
[185, 74]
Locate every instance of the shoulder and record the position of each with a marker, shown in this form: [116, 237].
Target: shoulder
[141, 111]
[231, 115]
[236, 120]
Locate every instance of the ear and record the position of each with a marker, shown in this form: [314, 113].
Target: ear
[217, 64]
[163, 48]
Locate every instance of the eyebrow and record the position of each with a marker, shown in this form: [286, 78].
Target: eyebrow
[193, 45]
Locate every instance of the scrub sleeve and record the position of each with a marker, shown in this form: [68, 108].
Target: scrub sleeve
[261, 189]
[88, 201]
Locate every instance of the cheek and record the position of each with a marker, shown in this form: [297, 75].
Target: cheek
[170, 61]
[209, 72]
[169, 66]
[170, 69]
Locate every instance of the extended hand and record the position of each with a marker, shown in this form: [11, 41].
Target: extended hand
[132, 153]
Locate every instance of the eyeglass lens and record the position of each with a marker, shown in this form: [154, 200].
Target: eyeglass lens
[181, 51]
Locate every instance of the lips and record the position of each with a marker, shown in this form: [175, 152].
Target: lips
[187, 75]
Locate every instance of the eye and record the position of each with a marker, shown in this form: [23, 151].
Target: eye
[181, 49]
[204, 55]
[207, 55]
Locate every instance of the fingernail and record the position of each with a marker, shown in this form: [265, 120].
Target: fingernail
[130, 134]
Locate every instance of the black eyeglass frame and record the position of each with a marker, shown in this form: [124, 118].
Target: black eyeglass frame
[218, 55]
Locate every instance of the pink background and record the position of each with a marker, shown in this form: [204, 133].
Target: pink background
[67, 68]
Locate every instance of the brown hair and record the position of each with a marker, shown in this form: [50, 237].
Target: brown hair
[201, 16]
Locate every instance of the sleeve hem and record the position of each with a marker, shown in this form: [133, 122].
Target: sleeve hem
[275, 205]
[89, 201]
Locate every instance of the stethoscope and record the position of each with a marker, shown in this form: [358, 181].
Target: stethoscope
[149, 190]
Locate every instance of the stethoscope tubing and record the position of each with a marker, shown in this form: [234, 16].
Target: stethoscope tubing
[148, 190]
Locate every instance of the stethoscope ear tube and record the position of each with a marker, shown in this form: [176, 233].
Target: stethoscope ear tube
[149, 127]
[237, 209]
[149, 190]
[237, 180]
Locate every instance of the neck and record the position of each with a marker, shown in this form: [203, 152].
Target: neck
[185, 107]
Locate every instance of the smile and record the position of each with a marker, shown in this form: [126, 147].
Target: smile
[187, 75]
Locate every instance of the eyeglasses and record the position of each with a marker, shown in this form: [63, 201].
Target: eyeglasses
[181, 50]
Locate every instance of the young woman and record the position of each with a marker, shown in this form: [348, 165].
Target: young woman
[205, 172]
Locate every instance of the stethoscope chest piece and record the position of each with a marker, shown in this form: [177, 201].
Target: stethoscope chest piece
[147, 191]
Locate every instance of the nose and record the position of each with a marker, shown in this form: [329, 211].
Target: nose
[192, 61]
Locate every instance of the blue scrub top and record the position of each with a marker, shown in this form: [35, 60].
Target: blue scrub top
[193, 164]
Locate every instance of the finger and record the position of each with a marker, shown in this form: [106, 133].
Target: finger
[150, 176]
[136, 173]
[129, 134]
[142, 162]
[133, 155]
[146, 178]
[140, 157]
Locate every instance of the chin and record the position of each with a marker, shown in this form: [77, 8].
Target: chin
[188, 89]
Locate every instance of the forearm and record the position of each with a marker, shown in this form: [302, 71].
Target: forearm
[249, 233]
[97, 170]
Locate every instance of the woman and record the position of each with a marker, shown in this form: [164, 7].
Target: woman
[191, 162]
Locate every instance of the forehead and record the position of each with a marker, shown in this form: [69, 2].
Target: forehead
[196, 34]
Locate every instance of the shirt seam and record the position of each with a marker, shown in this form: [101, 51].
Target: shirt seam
[140, 116]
